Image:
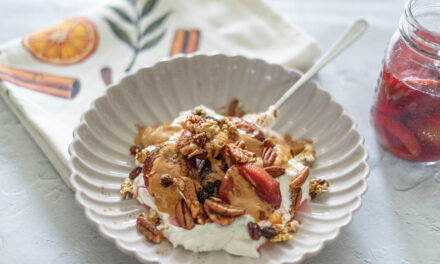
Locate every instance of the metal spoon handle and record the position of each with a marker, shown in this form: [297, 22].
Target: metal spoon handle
[351, 34]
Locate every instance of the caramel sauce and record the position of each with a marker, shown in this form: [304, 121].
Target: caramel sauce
[168, 162]
[283, 153]
[244, 196]
[155, 135]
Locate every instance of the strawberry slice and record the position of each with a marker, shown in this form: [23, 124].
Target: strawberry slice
[265, 186]
[247, 126]
[397, 138]
[427, 129]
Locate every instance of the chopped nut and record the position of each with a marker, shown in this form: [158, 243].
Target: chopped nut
[291, 226]
[216, 145]
[238, 154]
[153, 217]
[269, 156]
[210, 128]
[127, 189]
[318, 186]
[281, 237]
[307, 156]
[193, 123]
[275, 171]
[229, 128]
[135, 149]
[149, 230]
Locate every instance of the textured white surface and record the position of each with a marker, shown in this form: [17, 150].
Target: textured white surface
[41, 223]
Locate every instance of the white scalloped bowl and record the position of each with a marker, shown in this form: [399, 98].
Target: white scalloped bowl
[100, 157]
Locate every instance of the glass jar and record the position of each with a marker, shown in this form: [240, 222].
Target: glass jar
[406, 110]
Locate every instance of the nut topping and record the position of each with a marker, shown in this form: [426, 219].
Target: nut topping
[127, 190]
[217, 218]
[318, 186]
[238, 154]
[269, 156]
[300, 178]
[296, 200]
[275, 171]
[188, 192]
[218, 206]
[183, 215]
[149, 230]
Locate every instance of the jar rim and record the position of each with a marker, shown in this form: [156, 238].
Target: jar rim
[412, 19]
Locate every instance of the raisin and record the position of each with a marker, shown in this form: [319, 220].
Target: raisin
[268, 232]
[166, 180]
[135, 148]
[135, 172]
[202, 195]
[254, 230]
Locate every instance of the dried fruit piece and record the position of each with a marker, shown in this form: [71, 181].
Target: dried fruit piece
[135, 149]
[166, 180]
[300, 178]
[427, 129]
[235, 108]
[318, 186]
[266, 187]
[268, 232]
[149, 161]
[275, 171]
[149, 230]
[127, 190]
[269, 156]
[254, 230]
[135, 172]
[238, 154]
[183, 215]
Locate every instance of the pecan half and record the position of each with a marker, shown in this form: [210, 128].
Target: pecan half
[127, 190]
[149, 230]
[238, 154]
[218, 206]
[217, 218]
[183, 215]
[269, 156]
[275, 171]
[149, 161]
[300, 178]
[234, 107]
[296, 200]
[188, 192]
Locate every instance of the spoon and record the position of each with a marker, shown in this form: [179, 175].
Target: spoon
[349, 36]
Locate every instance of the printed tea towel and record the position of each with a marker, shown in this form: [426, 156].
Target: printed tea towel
[50, 77]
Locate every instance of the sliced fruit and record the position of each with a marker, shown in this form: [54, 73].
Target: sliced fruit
[247, 126]
[226, 187]
[69, 42]
[406, 145]
[266, 187]
[427, 129]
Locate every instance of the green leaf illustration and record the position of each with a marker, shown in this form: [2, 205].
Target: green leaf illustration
[119, 32]
[146, 9]
[154, 41]
[132, 2]
[155, 24]
[122, 14]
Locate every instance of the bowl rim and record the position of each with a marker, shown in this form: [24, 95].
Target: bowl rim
[165, 60]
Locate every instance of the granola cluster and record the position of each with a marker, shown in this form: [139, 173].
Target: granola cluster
[317, 186]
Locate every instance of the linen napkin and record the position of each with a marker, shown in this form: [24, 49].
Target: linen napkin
[50, 77]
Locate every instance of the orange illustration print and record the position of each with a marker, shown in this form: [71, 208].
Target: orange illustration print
[69, 42]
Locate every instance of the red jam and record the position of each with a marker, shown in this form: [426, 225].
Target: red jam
[406, 113]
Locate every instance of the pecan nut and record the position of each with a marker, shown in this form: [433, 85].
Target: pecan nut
[149, 230]
[300, 178]
[218, 206]
[275, 171]
[217, 218]
[295, 197]
[183, 215]
[188, 192]
[239, 155]
[269, 156]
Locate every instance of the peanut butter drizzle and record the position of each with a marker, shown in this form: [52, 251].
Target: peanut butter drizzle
[171, 163]
[155, 135]
[244, 196]
[283, 152]
[252, 144]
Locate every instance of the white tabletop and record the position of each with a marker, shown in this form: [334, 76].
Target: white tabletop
[399, 221]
